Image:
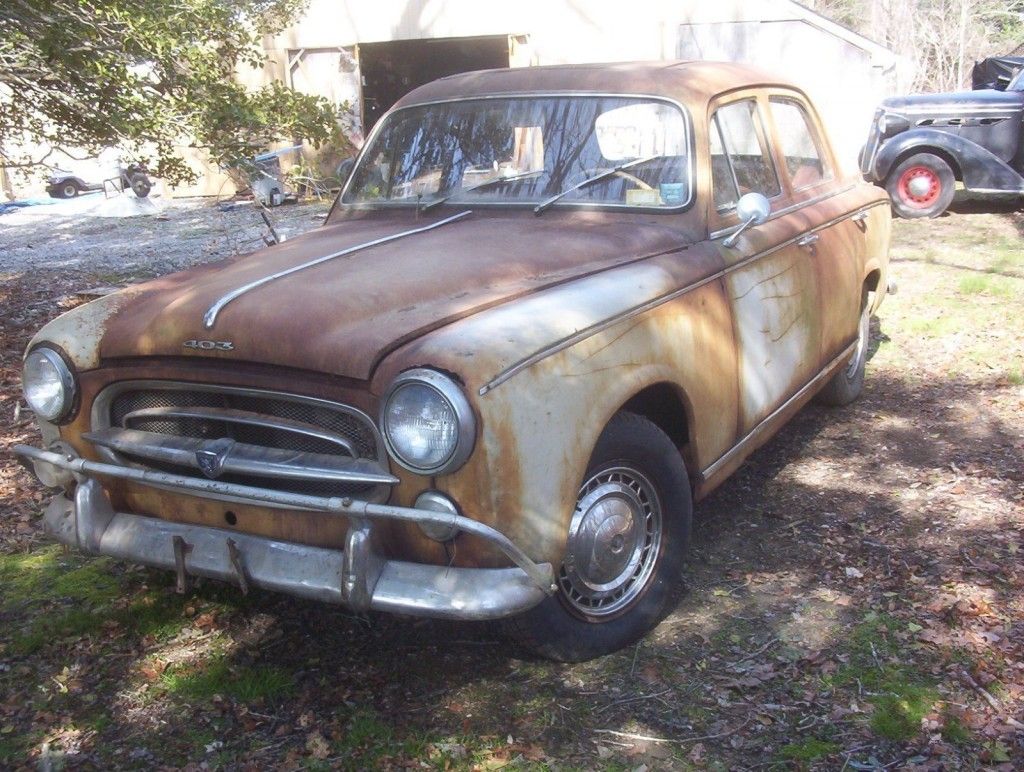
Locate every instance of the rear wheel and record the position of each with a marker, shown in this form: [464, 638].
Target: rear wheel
[624, 554]
[921, 186]
[69, 189]
[848, 382]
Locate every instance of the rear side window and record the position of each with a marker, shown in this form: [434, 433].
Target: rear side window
[798, 144]
[740, 162]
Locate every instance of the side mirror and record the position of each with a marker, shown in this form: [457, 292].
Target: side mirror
[753, 209]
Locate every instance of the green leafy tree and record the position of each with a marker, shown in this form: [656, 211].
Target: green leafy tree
[146, 76]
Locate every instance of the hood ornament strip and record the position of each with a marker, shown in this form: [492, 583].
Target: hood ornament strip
[210, 318]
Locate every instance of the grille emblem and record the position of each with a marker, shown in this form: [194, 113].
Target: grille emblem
[211, 457]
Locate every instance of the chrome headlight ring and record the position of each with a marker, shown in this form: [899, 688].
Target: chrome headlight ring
[427, 422]
[49, 384]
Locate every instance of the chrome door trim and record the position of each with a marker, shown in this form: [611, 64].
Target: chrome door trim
[586, 332]
[765, 423]
[790, 209]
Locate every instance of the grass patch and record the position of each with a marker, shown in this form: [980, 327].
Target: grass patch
[931, 326]
[898, 716]
[954, 732]
[49, 574]
[903, 692]
[808, 751]
[245, 684]
[978, 284]
[49, 629]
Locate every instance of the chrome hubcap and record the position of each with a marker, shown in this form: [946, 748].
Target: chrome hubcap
[613, 543]
[920, 186]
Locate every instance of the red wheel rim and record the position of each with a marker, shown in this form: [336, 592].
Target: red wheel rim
[919, 187]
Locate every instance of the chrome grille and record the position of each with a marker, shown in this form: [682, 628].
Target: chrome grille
[256, 420]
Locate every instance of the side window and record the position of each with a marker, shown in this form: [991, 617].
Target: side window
[803, 156]
[722, 182]
[741, 146]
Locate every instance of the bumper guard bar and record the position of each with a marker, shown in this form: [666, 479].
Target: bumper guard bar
[355, 576]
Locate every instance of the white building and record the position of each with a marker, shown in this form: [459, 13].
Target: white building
[364, 56]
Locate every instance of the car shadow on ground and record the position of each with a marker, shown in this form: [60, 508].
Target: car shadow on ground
[776, 550]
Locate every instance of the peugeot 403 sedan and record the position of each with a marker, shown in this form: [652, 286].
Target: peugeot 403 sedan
[551, 308]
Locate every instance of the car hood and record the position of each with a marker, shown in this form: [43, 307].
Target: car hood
[345, 314]
[956, 102]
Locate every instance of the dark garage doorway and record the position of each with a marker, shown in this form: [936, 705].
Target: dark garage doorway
[393, 69]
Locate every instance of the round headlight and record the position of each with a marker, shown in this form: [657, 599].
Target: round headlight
[427, 423]
[48, 384]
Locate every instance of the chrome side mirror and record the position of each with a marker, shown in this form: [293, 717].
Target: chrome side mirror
[753, 209]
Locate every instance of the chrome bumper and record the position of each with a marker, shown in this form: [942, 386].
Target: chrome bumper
[354, 576]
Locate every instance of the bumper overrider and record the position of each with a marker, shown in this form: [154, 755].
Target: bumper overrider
[355, 576]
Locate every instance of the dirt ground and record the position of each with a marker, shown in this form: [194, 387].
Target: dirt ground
[855, 593]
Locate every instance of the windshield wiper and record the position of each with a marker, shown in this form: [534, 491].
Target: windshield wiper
[596, 178]
[485, 184]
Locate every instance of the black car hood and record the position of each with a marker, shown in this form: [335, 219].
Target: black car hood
[956, 102]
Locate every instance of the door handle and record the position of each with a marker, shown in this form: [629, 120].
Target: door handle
[809, 240]
[860, 217]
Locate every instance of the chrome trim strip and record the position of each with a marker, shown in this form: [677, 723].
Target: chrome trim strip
[241, 458]
[788, 210]
[687, 123]
[210, 317]
[334, 505]
[765, 424]
[242, 417]
[587, 332]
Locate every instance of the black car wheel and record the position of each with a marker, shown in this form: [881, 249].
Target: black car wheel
[141, 185]
[624, 554]
[65, 189]
[921, 186]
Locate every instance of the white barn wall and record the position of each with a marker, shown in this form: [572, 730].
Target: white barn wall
[846, 74]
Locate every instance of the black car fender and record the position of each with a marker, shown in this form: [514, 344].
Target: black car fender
[979, 169]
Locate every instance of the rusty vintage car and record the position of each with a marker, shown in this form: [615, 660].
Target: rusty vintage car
[550, 309]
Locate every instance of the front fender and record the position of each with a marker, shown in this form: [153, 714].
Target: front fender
[979, 169]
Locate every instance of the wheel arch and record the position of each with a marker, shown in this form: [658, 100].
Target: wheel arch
[934, 150]
[666, 405]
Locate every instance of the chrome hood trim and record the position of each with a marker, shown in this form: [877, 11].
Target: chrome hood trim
[210, 317]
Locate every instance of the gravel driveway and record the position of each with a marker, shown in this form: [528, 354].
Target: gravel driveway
[74, 235]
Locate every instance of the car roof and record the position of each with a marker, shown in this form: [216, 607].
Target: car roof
[690, 82]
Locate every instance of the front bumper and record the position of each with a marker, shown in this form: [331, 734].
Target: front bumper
[356, 576]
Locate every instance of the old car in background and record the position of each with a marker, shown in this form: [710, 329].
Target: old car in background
[68, 184]
[996, 72]
[920, 146]
[550, 309]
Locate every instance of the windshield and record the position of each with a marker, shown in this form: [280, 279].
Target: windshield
[526, 150]
[1017, 84]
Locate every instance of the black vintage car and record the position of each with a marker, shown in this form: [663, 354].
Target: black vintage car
[919, 146]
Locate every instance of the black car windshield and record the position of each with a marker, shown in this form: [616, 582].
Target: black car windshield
[525, 150]
[1017, 84]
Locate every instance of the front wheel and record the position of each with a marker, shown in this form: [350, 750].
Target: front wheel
[921, 186]
[141, 185]
[624, 553]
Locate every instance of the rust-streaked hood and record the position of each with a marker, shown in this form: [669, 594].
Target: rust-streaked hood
[342, 316]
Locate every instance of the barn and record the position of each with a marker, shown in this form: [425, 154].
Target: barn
[364, 56]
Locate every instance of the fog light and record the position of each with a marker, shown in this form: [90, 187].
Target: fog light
[437, 502]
